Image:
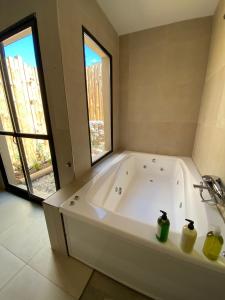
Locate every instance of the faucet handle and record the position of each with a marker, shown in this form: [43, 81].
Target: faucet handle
[208, 179]
[219, 186]
[215, 183]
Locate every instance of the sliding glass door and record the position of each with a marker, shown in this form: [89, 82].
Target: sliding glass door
[27, 152]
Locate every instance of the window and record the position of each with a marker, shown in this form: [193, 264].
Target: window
[26, 145]
[98, 72]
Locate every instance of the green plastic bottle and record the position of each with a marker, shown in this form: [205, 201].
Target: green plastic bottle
[163, 227]
[213, 244]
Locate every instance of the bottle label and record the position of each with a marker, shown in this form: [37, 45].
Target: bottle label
[159, 229]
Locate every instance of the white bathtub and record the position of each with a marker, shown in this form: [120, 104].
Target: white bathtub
[110, 224]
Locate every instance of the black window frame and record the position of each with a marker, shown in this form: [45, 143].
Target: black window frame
[92, 37]
[31, 21]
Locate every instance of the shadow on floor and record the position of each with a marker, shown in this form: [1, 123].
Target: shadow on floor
[101, 287]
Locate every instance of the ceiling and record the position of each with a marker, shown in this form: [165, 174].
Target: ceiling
[133, 15]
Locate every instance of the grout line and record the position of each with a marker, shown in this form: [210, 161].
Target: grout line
[87, 284]
[10, 279]
[3, 246]
[26, 264]
[48, 279]
[56, 284]
[18, 221]
[9, 227]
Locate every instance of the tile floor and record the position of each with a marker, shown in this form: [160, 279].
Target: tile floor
[30, 270]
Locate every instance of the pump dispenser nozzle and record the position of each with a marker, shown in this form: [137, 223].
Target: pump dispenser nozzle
[164, 214]
[191, 224]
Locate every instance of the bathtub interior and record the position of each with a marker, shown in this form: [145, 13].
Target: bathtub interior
[141, 186]
[136, 186]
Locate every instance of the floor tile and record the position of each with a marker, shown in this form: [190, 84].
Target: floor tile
[14, 209]
[28, 284]
[9, 266]
[26, 237]
[68, 273]
[101, 287]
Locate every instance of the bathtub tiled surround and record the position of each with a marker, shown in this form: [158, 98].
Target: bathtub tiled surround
[209, 147]
[162, 73]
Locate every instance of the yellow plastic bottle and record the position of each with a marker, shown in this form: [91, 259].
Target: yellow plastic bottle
[213, 244]
[188, 237]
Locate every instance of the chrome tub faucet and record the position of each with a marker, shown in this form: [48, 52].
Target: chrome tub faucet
[216, 190]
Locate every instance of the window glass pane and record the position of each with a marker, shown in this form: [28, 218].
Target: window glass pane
[5, 120]
[97, 69]
[11, 159]
[40, 167]
[24, 82]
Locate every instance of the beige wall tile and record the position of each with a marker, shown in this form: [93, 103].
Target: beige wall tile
[209, 150]
[209, 147]
[162, 74]
[161, 137]
[188, 31]
[211, 98]
[217, 47]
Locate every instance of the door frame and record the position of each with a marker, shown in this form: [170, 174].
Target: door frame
[30, 21]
